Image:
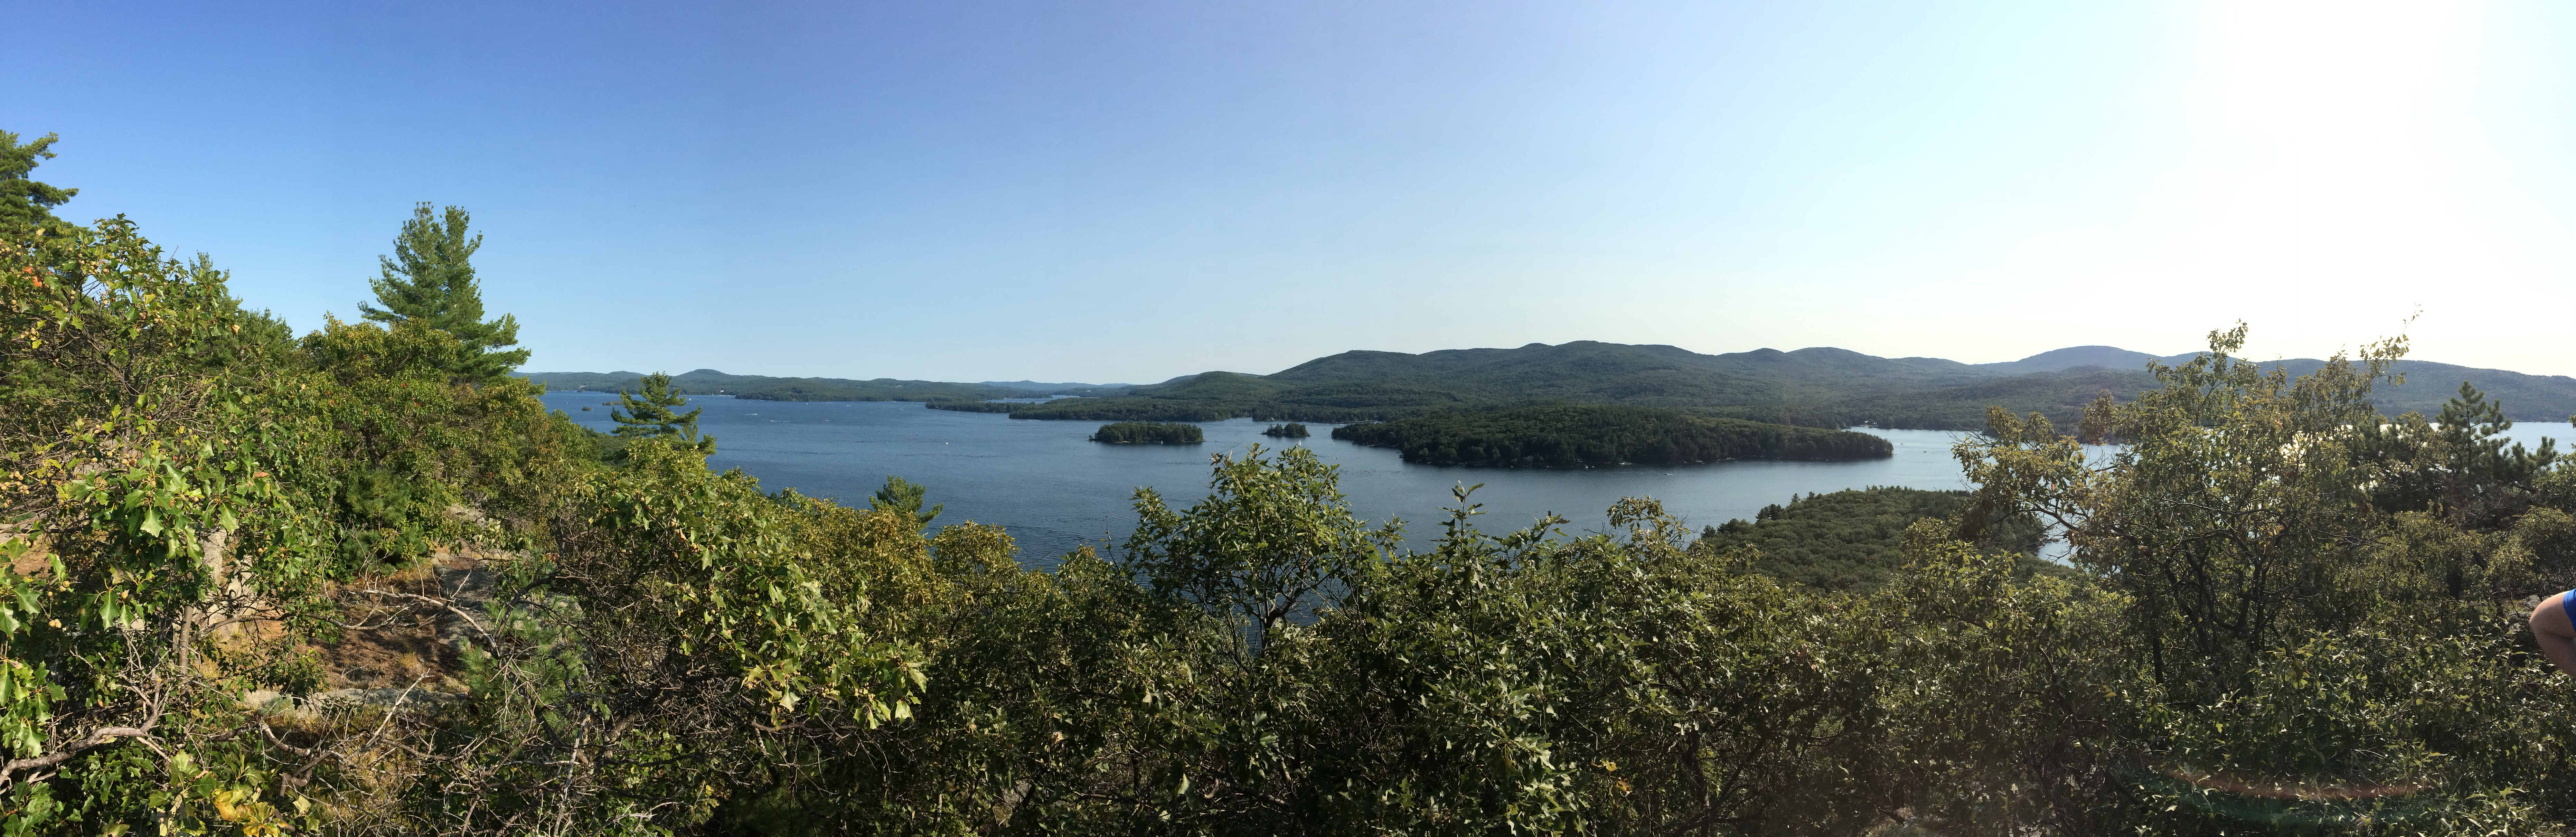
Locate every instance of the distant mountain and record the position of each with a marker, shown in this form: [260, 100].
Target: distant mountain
[2550, 398]
[1821, 387]
[2427, 385]
[1815, 387]
[2059, 360]
[601, 381]
[766, 388]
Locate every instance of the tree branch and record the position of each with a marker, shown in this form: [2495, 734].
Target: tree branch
[97, 737]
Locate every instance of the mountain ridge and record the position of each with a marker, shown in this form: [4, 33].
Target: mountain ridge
[1814, 386]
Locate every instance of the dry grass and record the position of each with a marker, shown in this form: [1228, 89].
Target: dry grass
[403, 646]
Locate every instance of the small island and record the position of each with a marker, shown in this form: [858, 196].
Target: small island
[1291, 430]
[1149, 433]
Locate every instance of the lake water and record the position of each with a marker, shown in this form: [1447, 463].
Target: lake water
[1055, 491]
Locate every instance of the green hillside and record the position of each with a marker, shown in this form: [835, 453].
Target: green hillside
[2549, 398]
[1817, 387]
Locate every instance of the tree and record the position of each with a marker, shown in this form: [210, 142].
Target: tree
[430, 278]
[1272, 536]
[23, 201]
[903, 497]
[2456, 465]
[2235, 509]
[652, 416]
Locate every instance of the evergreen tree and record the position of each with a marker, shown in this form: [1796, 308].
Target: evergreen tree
[430, 278]
[2456, 464]
[23, 201]
[904, 497]
[652, 416]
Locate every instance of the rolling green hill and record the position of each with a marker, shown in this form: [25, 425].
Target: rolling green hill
[1818, 387]
[1814, 387]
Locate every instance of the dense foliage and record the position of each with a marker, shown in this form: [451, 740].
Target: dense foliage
[1291, 430]
[1149, 433]
[1567, 435]
[2294, 615]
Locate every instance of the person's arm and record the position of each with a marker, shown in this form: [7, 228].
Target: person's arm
[2557, 636]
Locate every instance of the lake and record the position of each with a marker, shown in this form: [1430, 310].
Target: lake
[1055, 491]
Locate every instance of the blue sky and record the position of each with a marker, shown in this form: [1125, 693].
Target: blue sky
[1131, 191]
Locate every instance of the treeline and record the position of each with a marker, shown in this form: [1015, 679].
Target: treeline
[1096, 409]
[1569, 435]
[1291, 430]
[1216, 396]
[1824, 388]
[809, 389]
[2293, 615]
[2059, 396]
[1815, 387]
[769, 388]
[1794, 416]
[1149, 433]
[974, 406]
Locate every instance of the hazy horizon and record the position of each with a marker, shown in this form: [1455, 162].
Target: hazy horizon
[1141, 381]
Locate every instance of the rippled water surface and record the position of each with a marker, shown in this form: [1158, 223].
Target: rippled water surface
[1054, 490]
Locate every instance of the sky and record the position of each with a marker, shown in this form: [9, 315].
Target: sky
[1130, 191]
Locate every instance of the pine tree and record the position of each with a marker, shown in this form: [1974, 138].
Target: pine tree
[23, 201]
[904, 497]
[430, 279]
[652, 416]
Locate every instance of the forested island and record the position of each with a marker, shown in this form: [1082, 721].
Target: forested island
[1853, 541]
[360, 580]
[1149, 433]
[1570, 435]
[1291, 430]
